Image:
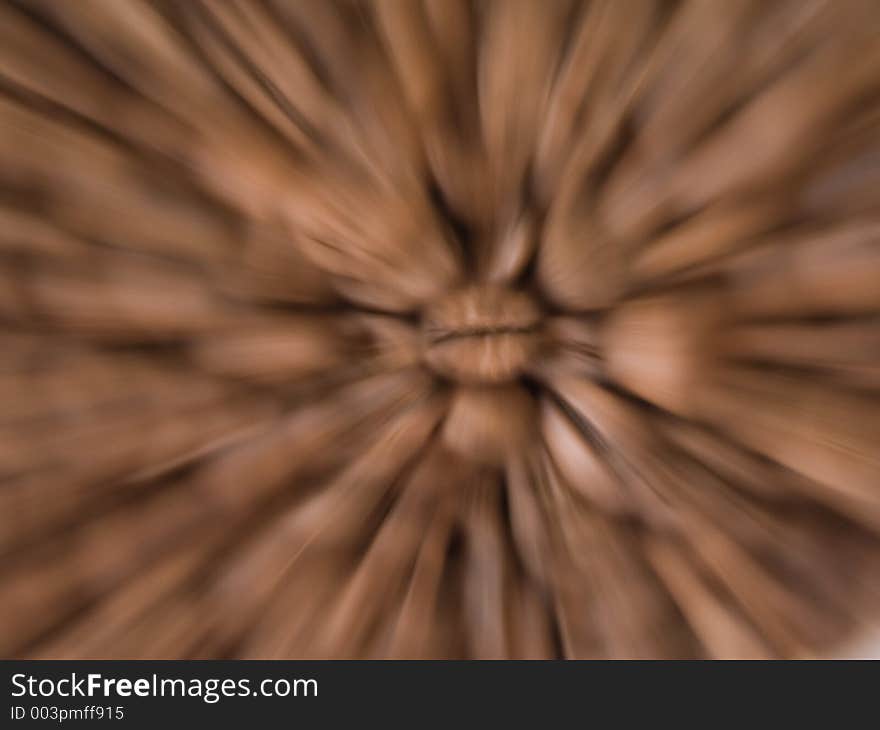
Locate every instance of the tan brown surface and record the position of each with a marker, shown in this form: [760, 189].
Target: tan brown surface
[439, 328]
